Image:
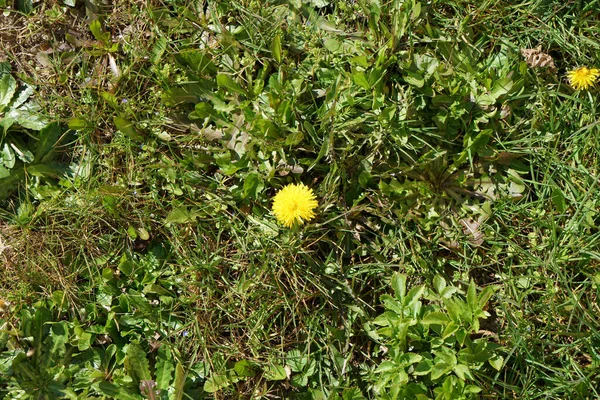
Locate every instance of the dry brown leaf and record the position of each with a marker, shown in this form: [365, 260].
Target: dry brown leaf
[536, 58]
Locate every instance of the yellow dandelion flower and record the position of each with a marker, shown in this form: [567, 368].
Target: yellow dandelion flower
[583, 78]
[294, 204]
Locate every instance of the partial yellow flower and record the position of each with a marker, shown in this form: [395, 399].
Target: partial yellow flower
[583, 78]
[294, 204]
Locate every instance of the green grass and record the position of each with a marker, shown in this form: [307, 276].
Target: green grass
[153, 255]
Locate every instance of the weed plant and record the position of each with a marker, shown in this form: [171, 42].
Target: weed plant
[453, 253]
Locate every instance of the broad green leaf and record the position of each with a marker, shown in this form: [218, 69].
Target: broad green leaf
[276, 48]
[78, 124]
[126, 127]
[8, 156]
[45, 170]
[352, 394]
[110, 99]
[414, 79]
[202, 110]
[4, 172]
[440, 369]
[485, 296]
[227, 82]
[179, 383]
[436, 317]
[4, 68]
[216, 382]
[413, 296]
[59, 334]
[126, 266]
[472, 389]
[131, 232]
[84, 339]
[180, 215]
[275, 372]
[100, 36]
[198, 60]
[158, 49]
[245, 368]
[24, 155]
[361, 80]
[423, 367]
[497, 362]
[385, 367]
[28, 116]
[21, 96]
[501, 87]
[472, 300]
[399, 285]
[108, 389]
[333, 45]
[558, 199]
[439, 284]
[463, 372]
[8, 87]
[136, 364]
[253, 185]
[49, 137]
[25, 6]
[164, 368]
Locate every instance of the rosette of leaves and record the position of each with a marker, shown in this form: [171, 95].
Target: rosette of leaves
[432, 342]
[28, 140]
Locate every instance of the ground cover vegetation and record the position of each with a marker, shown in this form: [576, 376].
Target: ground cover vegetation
[302, 199]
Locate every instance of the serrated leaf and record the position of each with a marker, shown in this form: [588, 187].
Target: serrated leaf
[136, 363]
[296, 360]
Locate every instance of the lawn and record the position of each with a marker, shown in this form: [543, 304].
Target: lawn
[299, 199]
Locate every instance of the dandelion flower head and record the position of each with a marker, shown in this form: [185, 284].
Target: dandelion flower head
[295, 203]
[583, 77]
